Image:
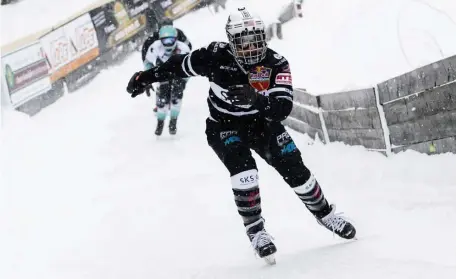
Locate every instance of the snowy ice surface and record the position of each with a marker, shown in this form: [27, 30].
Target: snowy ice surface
[89, 192]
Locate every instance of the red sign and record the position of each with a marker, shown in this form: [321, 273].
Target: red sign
[283, 78]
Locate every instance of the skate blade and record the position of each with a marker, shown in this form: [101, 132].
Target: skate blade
[270, 260]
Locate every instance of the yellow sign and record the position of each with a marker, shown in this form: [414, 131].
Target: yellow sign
[180, 8]
[126, 27]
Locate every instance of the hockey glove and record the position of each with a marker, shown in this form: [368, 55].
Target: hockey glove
[136, 86]
[241, 94]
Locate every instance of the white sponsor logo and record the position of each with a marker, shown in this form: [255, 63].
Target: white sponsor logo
[226, 134]
[283, 138]
[283, 78]
[228, 68]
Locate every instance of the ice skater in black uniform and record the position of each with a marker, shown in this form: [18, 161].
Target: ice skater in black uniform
[250, 94]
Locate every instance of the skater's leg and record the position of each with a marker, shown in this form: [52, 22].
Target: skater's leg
[163, 95]
[163, 98]
[282, 153]
[156, 100]
[176, 97]
[279, 150]
[238, 160]
[234, 152]
[177, 94]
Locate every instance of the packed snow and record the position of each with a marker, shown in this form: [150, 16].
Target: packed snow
[88, 191]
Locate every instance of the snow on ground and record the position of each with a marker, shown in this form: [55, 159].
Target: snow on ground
[90, 192]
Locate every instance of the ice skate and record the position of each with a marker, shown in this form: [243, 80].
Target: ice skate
[172, 126]
[261, 241]
[337, 224]
[159, 129]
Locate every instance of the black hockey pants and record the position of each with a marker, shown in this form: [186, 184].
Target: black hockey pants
[170, 92]
[232, 143]
[270, 140]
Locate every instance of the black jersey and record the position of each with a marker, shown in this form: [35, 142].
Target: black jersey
[151, 39]
[272, 78]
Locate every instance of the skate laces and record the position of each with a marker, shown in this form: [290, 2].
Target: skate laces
[261, 239]
[335, 221]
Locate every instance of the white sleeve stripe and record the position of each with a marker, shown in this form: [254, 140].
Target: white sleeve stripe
[277, 89]
[284, 97]
[190, 64]
[183, 66]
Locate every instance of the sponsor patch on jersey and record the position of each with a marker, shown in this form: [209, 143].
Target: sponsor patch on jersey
[228, 68]
[259, 78]
[283, 78]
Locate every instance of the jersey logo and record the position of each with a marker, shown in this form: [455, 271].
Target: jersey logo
[259, 78]
[228, 68]
[284, 79]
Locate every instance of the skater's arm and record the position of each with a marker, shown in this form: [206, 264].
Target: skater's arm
[277, 102]
[196, 63]
[150, 60]
[147, 43]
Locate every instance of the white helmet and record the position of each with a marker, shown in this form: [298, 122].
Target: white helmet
[246, 35]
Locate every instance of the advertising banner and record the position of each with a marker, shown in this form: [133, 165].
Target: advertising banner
[136, 7]
[114, 23]
[180, 8]
[70, 46]
[173, 9]
[25, 74]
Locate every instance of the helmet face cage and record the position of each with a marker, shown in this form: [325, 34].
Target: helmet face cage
[249, 47]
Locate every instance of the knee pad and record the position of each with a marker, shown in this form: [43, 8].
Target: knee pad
[245, 180]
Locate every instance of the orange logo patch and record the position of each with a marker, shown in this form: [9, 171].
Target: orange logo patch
[259, 78]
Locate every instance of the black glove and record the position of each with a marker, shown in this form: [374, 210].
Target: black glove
[136, 86]
[241, 94]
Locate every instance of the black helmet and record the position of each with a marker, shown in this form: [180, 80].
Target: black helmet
[165, 21]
